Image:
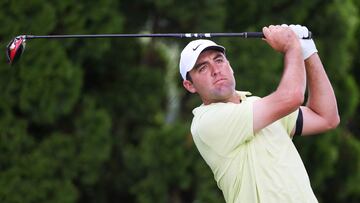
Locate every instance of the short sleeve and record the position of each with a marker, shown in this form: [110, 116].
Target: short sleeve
[224, 126]
[289, 121]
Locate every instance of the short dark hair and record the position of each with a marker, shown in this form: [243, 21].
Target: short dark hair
[188, 77]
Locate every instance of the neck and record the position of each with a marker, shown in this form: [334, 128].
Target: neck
[234, 98]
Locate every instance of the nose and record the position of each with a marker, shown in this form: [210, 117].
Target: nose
[216, 69]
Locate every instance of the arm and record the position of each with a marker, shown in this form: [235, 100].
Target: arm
[320, 113]
[289, 94]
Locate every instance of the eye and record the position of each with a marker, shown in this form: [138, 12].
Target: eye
[202, 68]
[219, 60]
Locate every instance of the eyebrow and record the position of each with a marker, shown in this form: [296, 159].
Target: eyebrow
[218, 55]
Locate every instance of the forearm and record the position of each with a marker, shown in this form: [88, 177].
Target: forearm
[321, 96]
[294, 75]
[288, 96]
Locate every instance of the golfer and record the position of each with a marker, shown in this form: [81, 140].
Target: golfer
[247, 140]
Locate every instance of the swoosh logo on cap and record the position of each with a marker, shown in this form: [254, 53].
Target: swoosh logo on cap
[194, 49]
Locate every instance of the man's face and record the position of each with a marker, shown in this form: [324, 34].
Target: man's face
[212, 77]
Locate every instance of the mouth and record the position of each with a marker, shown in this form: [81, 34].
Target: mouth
[220, 80]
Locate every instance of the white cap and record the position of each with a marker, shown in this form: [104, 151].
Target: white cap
[192, 51]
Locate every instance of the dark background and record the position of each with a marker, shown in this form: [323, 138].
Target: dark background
[107, 120]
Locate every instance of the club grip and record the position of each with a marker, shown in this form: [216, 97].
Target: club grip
[254, 35]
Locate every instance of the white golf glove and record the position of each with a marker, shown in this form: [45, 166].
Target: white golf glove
[307, 45]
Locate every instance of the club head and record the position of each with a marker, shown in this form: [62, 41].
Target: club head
[15, 49]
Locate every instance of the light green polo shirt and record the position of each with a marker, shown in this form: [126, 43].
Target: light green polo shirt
[248, 167]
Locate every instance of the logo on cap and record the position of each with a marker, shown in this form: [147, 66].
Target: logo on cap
[194, 49]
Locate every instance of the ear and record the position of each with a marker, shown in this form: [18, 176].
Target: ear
[189, 86]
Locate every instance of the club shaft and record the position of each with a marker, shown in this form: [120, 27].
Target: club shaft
[168, 35]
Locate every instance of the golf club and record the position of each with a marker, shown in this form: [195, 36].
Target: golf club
[16, 47]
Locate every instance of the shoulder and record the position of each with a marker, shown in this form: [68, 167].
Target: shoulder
[220, 115]
[226, 107]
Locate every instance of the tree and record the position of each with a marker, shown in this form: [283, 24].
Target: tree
[88, 120]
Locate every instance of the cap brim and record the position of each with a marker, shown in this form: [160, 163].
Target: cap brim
[218, 48]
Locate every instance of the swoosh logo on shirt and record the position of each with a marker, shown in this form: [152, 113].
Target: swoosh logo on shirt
[194, 49]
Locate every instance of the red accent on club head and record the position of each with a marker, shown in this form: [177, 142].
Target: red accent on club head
[15, 49]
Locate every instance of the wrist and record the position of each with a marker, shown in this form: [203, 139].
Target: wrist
[294, 52]
[294, 47]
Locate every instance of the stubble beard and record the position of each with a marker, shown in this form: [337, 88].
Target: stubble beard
[223, 92]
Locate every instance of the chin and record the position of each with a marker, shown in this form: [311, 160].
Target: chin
[224, 93]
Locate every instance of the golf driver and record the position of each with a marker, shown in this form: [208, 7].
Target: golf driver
[17, 46]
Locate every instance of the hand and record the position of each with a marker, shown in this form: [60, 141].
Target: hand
[307, 45]
[281, 38]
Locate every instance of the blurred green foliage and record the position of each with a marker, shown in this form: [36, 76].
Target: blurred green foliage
[86, 120]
